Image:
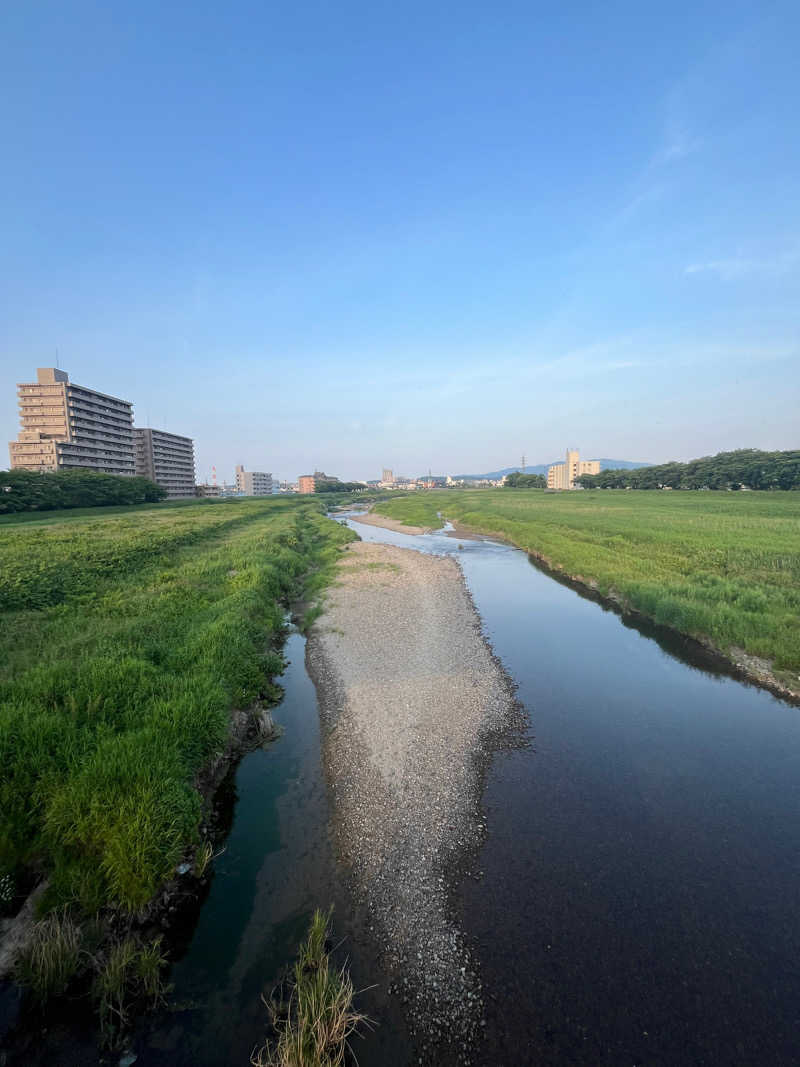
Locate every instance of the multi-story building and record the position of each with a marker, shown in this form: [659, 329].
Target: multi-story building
[306, 483]
[388, 477]
[253, 483]
[65, 426]
[564, 475]
[167, 459]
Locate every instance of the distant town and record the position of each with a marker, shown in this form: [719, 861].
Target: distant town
[66, 426]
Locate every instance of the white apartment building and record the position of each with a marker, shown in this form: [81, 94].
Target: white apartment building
[253, 483]
[563, 475]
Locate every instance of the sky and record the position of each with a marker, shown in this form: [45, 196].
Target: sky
[413, 235]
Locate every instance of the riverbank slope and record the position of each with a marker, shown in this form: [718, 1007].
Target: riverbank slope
[412, 703]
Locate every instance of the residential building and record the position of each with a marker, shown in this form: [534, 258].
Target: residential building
[388, 477]
[65, 426]
[253, 483]
[563, 475]
[306, 483]
[166, 459]
[207, 489]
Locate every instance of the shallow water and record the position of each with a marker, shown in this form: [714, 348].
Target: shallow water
[639, 896]
[278, 866]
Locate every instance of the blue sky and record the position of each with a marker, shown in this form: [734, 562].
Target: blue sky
[412, 235]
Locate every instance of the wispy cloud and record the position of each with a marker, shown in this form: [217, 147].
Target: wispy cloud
[678, 140]
[739, 266]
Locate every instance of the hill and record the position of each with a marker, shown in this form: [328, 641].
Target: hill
[541, 468]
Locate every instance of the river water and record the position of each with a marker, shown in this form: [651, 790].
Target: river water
[639, 896]
[638, 902]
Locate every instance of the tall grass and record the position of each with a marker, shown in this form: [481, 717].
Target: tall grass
[125, 642]
[130, 972]
[314, 1028]
[719, 566]
[52, 955]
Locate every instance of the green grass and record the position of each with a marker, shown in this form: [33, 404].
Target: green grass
[314, 1028]
[722, 566]
[419, 509]
[126, 640]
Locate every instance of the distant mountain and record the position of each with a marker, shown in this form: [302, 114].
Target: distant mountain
[605, 465]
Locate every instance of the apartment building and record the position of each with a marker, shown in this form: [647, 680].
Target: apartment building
[563, 475]
[306, 483]
[167, 459]
[65, 426]
[253, 483]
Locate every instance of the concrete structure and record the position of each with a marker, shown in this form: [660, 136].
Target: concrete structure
[253, 483]
[167, 459]
[387, 477]
[306, 484]
[563, 475]
[65, 426]
[207, 489]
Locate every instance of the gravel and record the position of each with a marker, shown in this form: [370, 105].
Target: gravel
[413, 703]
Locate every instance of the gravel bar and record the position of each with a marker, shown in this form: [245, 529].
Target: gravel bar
[372, 518]
[413, 704]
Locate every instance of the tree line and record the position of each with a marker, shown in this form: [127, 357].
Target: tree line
[746, 468]
[22, 490]
[338, 487]
[525, 481]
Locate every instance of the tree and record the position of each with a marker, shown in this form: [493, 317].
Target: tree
[525, 481]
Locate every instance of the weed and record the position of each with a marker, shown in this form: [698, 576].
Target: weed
[313, 1030]
[52, 958]
[205, 856]
[130, 972]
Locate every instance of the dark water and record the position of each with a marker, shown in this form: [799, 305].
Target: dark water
[278, 866]
[639, 901]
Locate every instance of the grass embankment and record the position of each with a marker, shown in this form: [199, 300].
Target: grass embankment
[126, 642]
[719, 567]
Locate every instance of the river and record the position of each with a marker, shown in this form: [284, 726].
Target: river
[638, 895]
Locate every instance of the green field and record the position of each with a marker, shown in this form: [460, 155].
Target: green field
[126, 640]
[718, 566]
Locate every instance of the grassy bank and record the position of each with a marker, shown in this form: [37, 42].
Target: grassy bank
[126, 642]
[723, 567]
